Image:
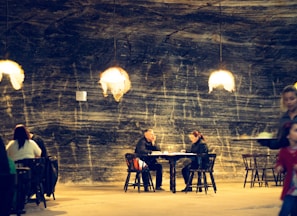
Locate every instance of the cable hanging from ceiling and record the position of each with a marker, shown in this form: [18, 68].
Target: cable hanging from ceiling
[221, 78]
[9, 67]
[114, 79]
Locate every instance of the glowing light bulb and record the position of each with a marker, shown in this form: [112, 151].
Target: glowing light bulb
[14, 71]
[116, 80]
[221, 78]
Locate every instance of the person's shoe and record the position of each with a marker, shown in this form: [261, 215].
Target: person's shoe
[146, 189]
[189, 189]
[159, 189]
[200, 190]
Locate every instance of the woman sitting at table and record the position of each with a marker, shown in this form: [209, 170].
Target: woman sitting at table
[199, 147]
[22, 147]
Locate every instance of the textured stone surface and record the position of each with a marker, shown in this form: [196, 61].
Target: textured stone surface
[169, 49]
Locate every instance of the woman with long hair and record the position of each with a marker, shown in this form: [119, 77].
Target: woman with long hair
[22, 147]
[198, 147]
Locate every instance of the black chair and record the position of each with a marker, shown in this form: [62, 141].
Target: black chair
[270, 174]
[258, 166]
[278, 178]
[133, 167]
[205, 166]
[37, 167]
[249, 166]
[7, 191]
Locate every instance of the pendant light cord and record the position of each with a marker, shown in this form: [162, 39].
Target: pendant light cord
[221, 49]
[6, 35]
[114, 38]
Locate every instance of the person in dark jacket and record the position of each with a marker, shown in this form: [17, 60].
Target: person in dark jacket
[145, 146]
[7, 179]
[198, 147]
[40, 143]
[289, 106]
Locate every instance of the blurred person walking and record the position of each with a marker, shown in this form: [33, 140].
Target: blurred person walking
[287, 162]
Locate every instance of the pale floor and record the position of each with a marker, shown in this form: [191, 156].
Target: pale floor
[111, 200]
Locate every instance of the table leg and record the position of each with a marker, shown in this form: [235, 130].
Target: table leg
[172, 164]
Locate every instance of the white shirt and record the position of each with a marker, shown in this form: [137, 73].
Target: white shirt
[29, 150]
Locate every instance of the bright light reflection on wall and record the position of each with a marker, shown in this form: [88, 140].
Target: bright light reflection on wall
[295, 84]
[116, 80]
[14, 71]
[221, 78]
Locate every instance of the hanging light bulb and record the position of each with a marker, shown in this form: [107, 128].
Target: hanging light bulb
[221, 78]
[14, 71]
[116, 80]
[9, 67]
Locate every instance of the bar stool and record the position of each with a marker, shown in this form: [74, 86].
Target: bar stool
[205, 165]
[134, 167]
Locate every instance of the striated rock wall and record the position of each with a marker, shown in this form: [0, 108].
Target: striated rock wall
[169, 49]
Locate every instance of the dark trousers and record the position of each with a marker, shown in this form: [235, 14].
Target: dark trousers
[6, 194]
[289, 206]
[159, 172]
[186, 174]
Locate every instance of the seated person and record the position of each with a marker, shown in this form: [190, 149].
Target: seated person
[39, 141]
[144, 147]
[198, 147]
[22, 147]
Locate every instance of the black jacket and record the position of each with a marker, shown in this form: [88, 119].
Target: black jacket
[199, 148]
[144, 148]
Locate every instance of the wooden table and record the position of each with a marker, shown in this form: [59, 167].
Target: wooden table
[172, 158]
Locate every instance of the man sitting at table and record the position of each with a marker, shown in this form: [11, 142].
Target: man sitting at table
[198, 147]
[145, 146]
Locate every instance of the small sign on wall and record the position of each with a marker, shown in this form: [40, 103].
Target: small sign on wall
[81, 96]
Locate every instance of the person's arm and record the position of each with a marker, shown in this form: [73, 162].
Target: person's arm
[272, 144]
[9, 149]
[37, 151]
[141, 148]
[279, 168]
[12, 167]
[155, 147]
[41, 145]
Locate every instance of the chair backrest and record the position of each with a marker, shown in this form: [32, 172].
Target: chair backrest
[206, 161]
[36, 165]
[211, 162]
[255, 161]
[261, 160]
[248, 161]
[132, 162]
[271, 160]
